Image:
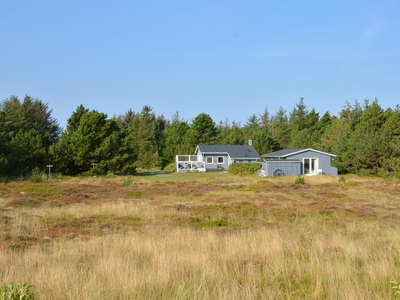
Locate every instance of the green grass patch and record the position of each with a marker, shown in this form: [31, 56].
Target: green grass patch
[138, 194]
[101, 218]
[200, 224]
[132, 219]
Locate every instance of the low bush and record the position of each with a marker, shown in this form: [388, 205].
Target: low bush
[170, 168]
[300, 180]
[5, 179]
[128, 180]
[36, 175]
[244, 168]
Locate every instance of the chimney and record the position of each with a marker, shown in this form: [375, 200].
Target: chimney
[250, 142]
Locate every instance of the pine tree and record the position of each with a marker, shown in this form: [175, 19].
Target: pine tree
[279, 128]
[91, 138]
[176, 141]
[369, 144]
[202, 131]
[27, 130]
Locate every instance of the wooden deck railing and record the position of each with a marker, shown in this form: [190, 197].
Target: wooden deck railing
[189, 163]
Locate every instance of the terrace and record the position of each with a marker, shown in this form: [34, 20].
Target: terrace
[189, 163]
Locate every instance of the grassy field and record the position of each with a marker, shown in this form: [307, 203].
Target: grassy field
[202, 236]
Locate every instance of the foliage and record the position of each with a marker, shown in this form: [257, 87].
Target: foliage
[203, 131]
[230, 134]
[369, 145]
[3, 164]
[279, 127]
[176, 141]
[170, 167]
[92, 138]
[342, 179]
[36, 175]
[16, 291]
[5, 179]
[263, 142]
[146, 132]
[29, 114]
[395, 288]
[128, 180]
[244, 168]
[27, 130]
[300, 180]
[364, 136]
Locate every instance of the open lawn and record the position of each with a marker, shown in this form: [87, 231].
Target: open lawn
[202, 236]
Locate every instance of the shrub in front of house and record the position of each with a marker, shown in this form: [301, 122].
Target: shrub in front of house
[170, 167]
[300, 180]
[244, 168]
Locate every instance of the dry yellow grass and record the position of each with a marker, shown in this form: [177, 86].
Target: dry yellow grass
[202, 236]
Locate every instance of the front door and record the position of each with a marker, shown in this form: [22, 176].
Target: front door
[310, 166]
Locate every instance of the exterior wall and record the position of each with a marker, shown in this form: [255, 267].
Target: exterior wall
[289, 168]
[324, 161]
[215, 165]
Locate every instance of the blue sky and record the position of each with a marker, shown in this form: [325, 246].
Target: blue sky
[229, 59]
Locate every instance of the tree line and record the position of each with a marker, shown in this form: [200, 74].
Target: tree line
[364, 136]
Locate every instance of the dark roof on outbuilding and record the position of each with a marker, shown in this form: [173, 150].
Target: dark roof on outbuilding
[283, 160]
[234, 151]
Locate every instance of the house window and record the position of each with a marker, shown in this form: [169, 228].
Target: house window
[209, 160]
[220, 159]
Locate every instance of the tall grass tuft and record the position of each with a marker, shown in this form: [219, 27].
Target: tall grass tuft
[16, 291]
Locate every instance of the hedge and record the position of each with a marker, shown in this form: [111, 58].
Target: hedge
[244, 168]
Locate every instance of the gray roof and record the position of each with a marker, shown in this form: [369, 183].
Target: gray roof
[282, 160]
[234, 151]
[287, 152]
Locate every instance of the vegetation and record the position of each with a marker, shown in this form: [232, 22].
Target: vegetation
[130, 234]
[300, 180]
[128, 180]
[202, 236]
[244, 168]
[36, 176]
[365, 138]
[16, 291]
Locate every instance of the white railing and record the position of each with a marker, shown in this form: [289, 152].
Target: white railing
[189, 163]
[190, 166]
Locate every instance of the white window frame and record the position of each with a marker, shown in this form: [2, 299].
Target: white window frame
[223, 160]
[316, 165]
[211, 159]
